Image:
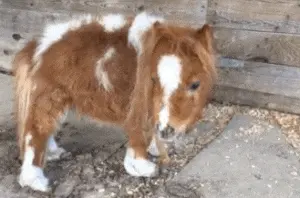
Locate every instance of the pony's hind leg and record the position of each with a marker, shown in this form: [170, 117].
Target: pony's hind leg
[32, 174]
[54, 151]
[36, 132]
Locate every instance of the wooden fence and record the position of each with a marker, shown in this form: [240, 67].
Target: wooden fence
[257, 41]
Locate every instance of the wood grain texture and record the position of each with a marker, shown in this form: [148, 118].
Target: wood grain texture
[258, 99]
[89, 6]
[27, 22]
[262, 15]
[259, 84]
[8, 47]
[192, 12]
[18, 27]
[262, 77]
[187, 12]
[275, 48]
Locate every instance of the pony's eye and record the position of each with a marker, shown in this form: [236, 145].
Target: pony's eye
[194, 85]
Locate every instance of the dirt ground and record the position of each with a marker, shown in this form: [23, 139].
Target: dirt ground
[86, 172]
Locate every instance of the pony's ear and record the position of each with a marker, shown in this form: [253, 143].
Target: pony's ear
[204, 47]
[205, 36]
[139, 113]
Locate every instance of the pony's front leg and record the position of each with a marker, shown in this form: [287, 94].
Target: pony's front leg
[158, 149]
[136, 160]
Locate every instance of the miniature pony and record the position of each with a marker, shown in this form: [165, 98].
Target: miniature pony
[148, 76]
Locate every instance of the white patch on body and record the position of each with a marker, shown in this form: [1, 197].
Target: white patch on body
[152, 148]
[102, 75]
[54, 32]
[139, 167]
[54, 151]
[141, 24]
[31, 175]
[169, 73]
[113, 22]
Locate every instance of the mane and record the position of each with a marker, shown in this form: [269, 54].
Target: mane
[183, 41]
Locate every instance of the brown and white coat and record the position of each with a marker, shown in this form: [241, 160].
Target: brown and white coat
[148, 76]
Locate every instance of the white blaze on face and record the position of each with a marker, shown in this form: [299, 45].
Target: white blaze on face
[169, 73]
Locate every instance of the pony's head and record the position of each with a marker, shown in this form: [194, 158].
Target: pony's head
[183, 75]
[181, 63]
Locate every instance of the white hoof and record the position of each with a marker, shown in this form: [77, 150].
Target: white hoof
[55, 154]
[34, 178]
[139, 167]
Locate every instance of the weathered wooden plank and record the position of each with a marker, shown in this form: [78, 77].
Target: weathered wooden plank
[262, 77]
[259, 84]
[263, 15]
[91, 6]
[5, 59]
[191, 12]
[282, 49]
[7, 52]
[6, 100]
[238, 96]
[19, 26]
[9, 44]
[27, 22]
